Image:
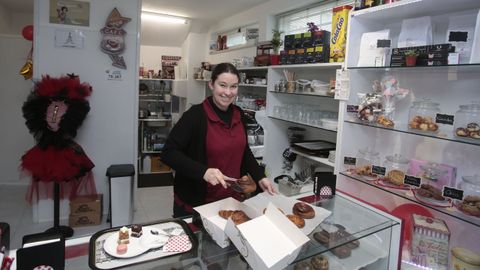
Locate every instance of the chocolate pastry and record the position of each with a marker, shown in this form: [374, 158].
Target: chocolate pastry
[342, 252]
[298, 221]
[136, 231]
[322, 237]
[303, 210]
[225, 213]
[303, 266]
[247, 184]
[471, 205]
[239, 217]
[340, 236]
[429, 191]
[319, 262]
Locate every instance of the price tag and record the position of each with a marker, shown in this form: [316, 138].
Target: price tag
[378, 170]
[444, 119]
[350, 161]
[412, 180]
[352, 108]
[453, 193]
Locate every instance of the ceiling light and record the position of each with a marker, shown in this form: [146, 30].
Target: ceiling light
[158, 17]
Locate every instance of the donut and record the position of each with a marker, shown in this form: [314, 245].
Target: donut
[247, 184]
[322, 237]
[303, 266]
[342, 252]
[298, 221]
[303, 210]
[225, 213]
[319, 262]
[239, 217]
[122, 249]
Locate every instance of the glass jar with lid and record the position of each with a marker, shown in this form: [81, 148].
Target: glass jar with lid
[396, 167]
[422, 116]
[470, 185]
[467, 121]
[365, 159]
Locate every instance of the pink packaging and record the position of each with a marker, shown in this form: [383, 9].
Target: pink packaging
[437, 175]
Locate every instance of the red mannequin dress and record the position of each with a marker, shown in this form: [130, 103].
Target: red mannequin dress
[54, 111]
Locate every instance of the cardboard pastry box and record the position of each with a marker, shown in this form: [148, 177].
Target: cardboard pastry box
[86, 210]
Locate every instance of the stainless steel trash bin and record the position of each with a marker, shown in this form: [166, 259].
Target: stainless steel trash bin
[120, 186]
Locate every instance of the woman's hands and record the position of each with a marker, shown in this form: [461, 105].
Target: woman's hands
[267, 185]
[214, 177]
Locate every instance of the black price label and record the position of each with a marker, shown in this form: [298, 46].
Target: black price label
[412, 180]
[352, 108]
[378, 170]
[383, 43]
[452, 193]
[444, 119]
[349, 161]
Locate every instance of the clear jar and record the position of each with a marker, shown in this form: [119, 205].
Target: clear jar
[467, 121]
[365, 159]
[432, 172]
[422, 116]
[396, 167]
[470, 185]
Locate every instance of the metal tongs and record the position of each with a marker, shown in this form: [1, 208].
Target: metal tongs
[232, 183]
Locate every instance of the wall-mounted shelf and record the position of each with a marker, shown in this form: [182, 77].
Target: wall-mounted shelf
[252, 85]
[302, 94]
[321, 160]
[316, 66]
[300, 123]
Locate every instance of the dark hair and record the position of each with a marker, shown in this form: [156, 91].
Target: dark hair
[64, 8]
[224, 68]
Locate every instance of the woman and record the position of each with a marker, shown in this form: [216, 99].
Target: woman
[209, 145]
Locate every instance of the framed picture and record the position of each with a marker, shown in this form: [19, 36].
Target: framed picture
[70, 12]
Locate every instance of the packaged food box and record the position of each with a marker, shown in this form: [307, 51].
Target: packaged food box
[298, 41]
[158, 165]
[322, 53]
[338, 38]
[321, 38]
[86, 204]
[430, 242]
[289, 42]
[291, 57]
[300, 57]
[255, 238]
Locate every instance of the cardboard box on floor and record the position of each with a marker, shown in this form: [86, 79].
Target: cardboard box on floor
[86, 210]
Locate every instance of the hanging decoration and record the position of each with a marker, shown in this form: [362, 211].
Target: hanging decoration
[113, 41]
[312, 28]
[54, 111]
[27, 69]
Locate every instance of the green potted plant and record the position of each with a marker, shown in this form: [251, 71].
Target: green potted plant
[276, 43]
[410, 58]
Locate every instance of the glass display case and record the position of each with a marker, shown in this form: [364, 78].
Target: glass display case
[430, 144]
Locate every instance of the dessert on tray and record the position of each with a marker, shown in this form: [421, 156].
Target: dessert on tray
[123, 236]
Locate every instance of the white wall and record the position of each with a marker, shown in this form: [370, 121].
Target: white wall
[108, 134]
[151, 56]
[4, 20]
[14, 89]
[18, 21]
[194, 55]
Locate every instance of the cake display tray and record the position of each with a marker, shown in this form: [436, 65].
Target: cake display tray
[181, 241]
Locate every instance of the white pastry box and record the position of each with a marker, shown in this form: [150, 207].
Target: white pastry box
[430, 242]
[214, 224]
[269, 241]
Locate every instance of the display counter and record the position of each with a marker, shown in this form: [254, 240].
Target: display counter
[372, 241]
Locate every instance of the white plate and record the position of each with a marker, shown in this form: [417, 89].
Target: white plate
[137, 246]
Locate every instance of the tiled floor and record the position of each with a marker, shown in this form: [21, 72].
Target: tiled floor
[152, 204]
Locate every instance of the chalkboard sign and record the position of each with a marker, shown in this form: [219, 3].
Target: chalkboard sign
[452, 193]
[349, 161]
[412, 180]
[378, 170]
[444, 119]
[384, 43]
[352, 108]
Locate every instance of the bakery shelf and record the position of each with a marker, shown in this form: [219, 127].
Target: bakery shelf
[151, 152]
[408, 194]
[300, 123]
[152, 100]
[400, 10]
[404, 129]
[253, 68]
[253, 85]
[324, 161]
[303, 94]
[460, 68]
[316, 65]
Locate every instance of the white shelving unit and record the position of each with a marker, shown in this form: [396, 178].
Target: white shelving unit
[450, 86]
[307, 102]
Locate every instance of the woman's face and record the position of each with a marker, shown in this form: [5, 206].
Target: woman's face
[224, 90]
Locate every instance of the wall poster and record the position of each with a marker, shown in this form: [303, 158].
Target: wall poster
[70, 12]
